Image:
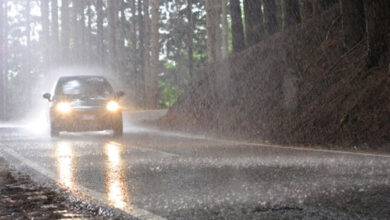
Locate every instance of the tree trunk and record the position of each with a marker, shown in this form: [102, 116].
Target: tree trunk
[254, 25]
[54, 42]
[112, 11]
[28, 66]
[213, 14]
[65, 30]
[190, 39]
[83, 47]
[89, 33]
[155, 49]
[352, 21]
[141, 61]
[225, 30]
[133, 38]
[320, 6]
[45, 35]
[291, 15]
[306, 9]
[147, 40]
[121, 47]
[3, 78]
[377, 27]
[237, 27]
[270, 16]
[100, 32]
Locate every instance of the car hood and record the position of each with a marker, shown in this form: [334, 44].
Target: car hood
[88, 103]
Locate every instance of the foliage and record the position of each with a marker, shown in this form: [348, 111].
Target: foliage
[168, 94]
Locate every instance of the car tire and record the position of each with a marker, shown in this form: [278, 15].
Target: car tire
[118, 128]
[54, 131]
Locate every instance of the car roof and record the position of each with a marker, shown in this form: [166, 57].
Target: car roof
[80, 77]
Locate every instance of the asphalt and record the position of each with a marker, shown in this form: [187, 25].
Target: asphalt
[156, 174]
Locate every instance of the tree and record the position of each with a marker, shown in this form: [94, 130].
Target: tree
[225, 29]
[270, 16]
[306, 9]
[213, 20]
[320, 6]
[377, 24]
[254, 25]
[353, 21]
[65, 30]
[238, 39]
[3, 71]
[45, 34]
[155, 54]
[112, 9]
[89, 39]
[141, 41]
[291, 14]
[54, 32]
[100, 31]
[190, 39]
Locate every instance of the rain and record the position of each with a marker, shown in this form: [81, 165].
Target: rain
[194, 109]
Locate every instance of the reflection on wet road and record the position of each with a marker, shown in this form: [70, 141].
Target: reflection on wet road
[116, 180]
[155, 173]
[64, 156]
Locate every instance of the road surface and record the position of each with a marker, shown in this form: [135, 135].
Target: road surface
[155, 174]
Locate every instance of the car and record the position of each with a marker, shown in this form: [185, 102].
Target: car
[84, 103]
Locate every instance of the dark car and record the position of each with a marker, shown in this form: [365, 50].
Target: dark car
[84, 103]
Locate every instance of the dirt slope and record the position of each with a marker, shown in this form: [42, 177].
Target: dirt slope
[296, 87]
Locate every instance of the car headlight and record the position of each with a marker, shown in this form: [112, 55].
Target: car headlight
[64, 107]
[112, 106]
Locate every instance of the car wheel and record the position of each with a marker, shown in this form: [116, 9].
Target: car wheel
[118, 128]
[54, 131]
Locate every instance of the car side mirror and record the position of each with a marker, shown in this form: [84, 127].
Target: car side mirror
[120, 94]
[47, 96]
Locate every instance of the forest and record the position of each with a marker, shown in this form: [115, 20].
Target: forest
[162, 50]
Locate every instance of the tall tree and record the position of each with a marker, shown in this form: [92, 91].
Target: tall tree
[225, 29]
[3, 77]
[133, 38]
[142, 49]
[65, 30]
[28, 64]
[270, 16]
[54, 42]
[306, 9]
[378, 29]
[112, 8]
[190, 39]
[155, 54]
[45, 34]
[238, 39]
[353, 21]
[213, 18]
[100, 31]
[254, 25]
[291, 14]
[89, 38]
[320, 6]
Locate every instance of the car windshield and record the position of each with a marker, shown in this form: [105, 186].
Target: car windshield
[91, 87]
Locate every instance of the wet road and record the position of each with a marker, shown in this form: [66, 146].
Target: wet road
[156, 174]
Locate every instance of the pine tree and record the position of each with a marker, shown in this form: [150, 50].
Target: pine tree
[254, 25]
[291, 14]
[353, 21]
[237, 27]
[270, 16]
[378, 28]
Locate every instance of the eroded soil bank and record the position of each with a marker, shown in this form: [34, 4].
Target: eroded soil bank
[299, 87]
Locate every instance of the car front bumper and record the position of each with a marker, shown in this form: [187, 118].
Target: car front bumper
[82, 120]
